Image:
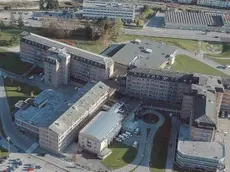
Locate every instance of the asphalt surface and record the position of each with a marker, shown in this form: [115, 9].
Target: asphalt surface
[23, 142]
[141, 162]
[172, 144]
[180, 34]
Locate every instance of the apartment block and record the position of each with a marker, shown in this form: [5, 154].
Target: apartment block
[109, 9]
[198, 155]
[158, 84]
[84, 65]
[185, 1]
[56, 120]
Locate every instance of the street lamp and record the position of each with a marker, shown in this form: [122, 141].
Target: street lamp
[8, 139]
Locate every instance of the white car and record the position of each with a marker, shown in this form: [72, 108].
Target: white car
[31, 77]
[135, 144]
[137, 130]
[117, 139]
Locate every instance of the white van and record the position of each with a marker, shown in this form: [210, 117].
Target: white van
[135, 144]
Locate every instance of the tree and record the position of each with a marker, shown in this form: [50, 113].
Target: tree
[20, 22]
[139, 22]
[116, 29]
[19, 89]
[2, 25]
[12, 20]
[48, 4]
[89, 32]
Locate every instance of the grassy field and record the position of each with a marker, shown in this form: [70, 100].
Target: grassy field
[184, 63]
[225, 51]
[220, 61]
[11, 62]
[121, 156]
[14, 94]
[3, 152]
[160, 146]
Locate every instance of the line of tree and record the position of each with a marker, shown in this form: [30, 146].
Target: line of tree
[48, 4]
[105, 29]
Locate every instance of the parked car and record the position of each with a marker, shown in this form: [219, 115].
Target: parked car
[31, 77]
[137, 130]
[135, 144]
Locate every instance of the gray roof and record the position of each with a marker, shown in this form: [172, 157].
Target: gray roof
[70, 49]
[79, 110]
[210, 150]
[134, 54]
[43, 116]
[193, 18]
[101, 125]
[205, 112]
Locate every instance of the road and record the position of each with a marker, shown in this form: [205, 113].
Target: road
[10, 130]
[180, 34]
[144, 166]
[141, 162]
[172, 144]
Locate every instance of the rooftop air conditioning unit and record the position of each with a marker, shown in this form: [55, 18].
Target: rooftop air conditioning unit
[138, 41]
[148, 50]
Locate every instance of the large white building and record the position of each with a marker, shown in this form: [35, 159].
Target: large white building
[100, 132]
[57, 120]
[110, 9]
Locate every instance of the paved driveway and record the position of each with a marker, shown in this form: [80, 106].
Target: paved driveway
[141, 162]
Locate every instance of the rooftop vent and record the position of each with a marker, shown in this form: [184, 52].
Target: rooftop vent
[148, 50]
[137, 41]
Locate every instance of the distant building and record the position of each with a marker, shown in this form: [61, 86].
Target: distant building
[185, 1]
[100, 132]
[198, 155]
[193, 21]
[225, 104]
[144, 54]
[109, 9]
[216, 3]
[84, 65]
[56, 120]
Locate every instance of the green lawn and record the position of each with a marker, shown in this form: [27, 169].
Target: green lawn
[14, 95]
[3, 152]
[185, 63]
[225, 51]
[121, 156]
[220, 61]
[160, 146]
[11, 62]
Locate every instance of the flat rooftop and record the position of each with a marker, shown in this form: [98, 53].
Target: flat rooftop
[193, 18]
[135, 54]
[78, 108]
[199, 149]
[42, 116]
[101, 125]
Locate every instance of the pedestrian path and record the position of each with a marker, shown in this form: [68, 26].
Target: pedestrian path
[32, 148]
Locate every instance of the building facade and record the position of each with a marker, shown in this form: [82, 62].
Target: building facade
[109, 9]
[84, 65]
[100, 132]
[56, 67]
[158, 84]
[198, 155]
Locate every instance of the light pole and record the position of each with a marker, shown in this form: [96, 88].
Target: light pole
[8, 139]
